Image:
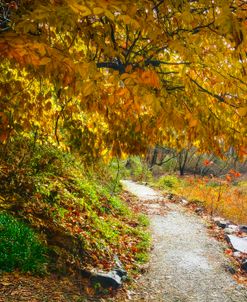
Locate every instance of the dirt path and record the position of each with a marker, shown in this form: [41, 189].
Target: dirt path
[186, 264]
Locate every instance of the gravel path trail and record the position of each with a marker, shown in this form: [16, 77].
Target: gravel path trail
[186, 264]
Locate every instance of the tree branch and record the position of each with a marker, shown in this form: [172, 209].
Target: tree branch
[132, 45]
[121, 67]
[218, 97]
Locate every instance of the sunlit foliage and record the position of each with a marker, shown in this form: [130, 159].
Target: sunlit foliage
[110, 77]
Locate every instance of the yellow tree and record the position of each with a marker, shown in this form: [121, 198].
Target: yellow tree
[121, 75]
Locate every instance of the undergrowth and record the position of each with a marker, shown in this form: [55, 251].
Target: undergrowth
[82, 221]
[169, 182]
[226, 197]
[20, 247]
[218, 196]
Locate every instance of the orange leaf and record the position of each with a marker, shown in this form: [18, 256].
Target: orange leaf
[228, 251]
[207, 162]
[228, 178]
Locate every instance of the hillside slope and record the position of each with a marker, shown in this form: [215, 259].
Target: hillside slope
[74, 214]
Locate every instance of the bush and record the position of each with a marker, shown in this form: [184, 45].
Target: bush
[169, 182]
[19, 247]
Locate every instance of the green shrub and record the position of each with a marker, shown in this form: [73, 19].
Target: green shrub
[48, 160]
[143, 220]
[169, 182]
[118, 205]
[19, 247]
[143, 246]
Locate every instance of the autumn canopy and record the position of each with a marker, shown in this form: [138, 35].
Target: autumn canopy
[116, 76]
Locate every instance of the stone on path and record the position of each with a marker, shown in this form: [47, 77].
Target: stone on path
[231, 229]
[184, 202]
[112, 279]
[239, 244]
[107, 280]
[243, 228]
[221, 222]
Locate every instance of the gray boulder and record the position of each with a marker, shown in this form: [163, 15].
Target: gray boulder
[239, 244]
[243, 228]
[222, 223]
[107, 280]
[231, 229]
[199, 210]
[237, 254]
[184, 202]
[119, 268]
[112, 279]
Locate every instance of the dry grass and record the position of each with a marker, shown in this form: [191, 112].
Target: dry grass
[226, 198]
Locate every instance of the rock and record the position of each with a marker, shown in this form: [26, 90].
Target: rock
[237, 254]
[231, 228]
[229, 231]
[107, 280]
[119, 267]
[221, 222]
[244, 265]
[199, 210]
[239, 244]
[112, 279]
[121, 273]
[243, 228]
[184, 202]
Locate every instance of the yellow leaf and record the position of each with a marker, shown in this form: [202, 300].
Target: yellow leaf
[242, 111]
[78, 8]
[124, 76]
[109, 15]
[98, 10]
[104, 152]
[88, 88]
[44, 61]
[126, 19]
[193, 123]
[149, 99]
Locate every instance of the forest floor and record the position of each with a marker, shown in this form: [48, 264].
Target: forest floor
[186, 263]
